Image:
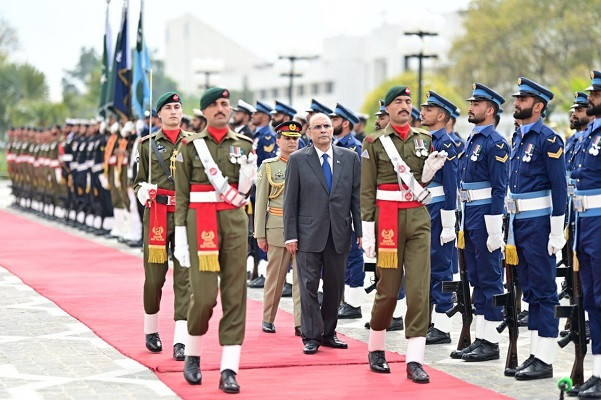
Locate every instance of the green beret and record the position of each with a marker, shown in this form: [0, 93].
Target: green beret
[395, 92]
[212, 95]
[169, 97]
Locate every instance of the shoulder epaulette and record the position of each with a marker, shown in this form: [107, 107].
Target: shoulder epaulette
[374, 135]
[241, 136]
[147, 137]
[270, 160]
[422, 130]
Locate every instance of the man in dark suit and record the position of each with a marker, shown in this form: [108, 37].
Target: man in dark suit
[321, 206]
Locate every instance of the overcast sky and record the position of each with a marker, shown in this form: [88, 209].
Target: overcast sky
[52, 32]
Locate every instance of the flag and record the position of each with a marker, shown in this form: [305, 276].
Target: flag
[121, 73]
[107, 54]
[140, 87]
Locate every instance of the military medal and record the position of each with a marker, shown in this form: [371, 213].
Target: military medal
[528, 154]
[420, 148]
[476, 152]
[235, 154]
[594, 150]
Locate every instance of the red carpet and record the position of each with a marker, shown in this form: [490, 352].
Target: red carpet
[102, 287]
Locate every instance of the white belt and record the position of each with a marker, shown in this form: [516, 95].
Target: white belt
[394, 195]
[74, 165]
[468, 195]
[54, 163]
[436, 191]
[90, 163]
[66, 157]
[97, 167]
[82, 167]
[11, 157]
[205, 197]
[522, 205]
[583, 203]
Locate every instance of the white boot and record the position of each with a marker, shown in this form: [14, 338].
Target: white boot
[72, 215]
[125, 217]
[398, 309]
[108, 223]
[534, 339]
[262, 268]
[490, 332]
[89, 220]
[597, 365]
[180, 334]
[416, 347]
[116, 231]
[97, 224]
[443, 322]
[479, 329]
[151, 323]
[81, 217]
[546, 350]
[193, 345]
[353, 296]
[377, 340]
[230, 358]
[250, 264]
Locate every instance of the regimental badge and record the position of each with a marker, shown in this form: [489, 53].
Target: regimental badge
[235, 154]
[476, 152]
[420, 148]
[528, 153]
[161, 148]
[594, 150]
[279, 174]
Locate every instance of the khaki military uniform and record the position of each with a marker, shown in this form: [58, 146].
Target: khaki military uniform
[232, 227]
[154, 273]
[269, 225]
[413, 232]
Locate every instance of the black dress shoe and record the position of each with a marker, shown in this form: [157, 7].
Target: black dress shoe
[228, 383]
[310, 347]
[458, 354]
[523, 321]
[484, 352]
[416, 373]
[179, 352]
[297, 331]
[524, 365]
[287, 291]
[590, 382]
[268, 327]
[347, 311]
[135, 243]
[396, 324]
[153, 342]
[257, 283]
[320, 297]
[536, 370]
[377, 362]
[334, 342]
[192, 370]
[436, 336]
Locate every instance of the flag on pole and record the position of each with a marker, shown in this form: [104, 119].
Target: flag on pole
[121, 99]
[107, 54]
[140, 87]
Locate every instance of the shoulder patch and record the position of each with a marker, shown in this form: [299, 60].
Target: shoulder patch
[447, 145]
[451, 158]
[552, 140]
[365, 154]
[179, 157]
[244, 137]
[500, 146]
[502, 159]
[185, 141]
[557, 154]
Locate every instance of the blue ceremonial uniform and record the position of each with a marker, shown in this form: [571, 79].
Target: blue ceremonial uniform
[483, 165]
[537, 171]
[587, 174]
[441, 255]
[264, 144]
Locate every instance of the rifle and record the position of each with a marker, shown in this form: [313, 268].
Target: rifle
[374, 283]
[575, 313]
[464, 301]
[508, 301]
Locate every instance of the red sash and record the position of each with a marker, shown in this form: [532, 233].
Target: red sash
[157, 228]
[207, 230]
[388, 226]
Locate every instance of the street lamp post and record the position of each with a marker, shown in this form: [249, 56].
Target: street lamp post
[420, 57]
[291, 73]
[207, 67]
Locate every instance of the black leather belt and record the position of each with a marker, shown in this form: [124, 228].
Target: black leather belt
[164, 199]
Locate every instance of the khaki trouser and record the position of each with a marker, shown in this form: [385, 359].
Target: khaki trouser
[279, 259]
[154, 276]
[414, 255]
[230, 280]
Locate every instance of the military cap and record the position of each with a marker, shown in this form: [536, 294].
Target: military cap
[148, 113]
[264, 108]
[213, 94]
[434, 99]
[482, 92]
[342, 111]
[527, 87]
[456, 113]
[395, 92]
[169, 97]
[197, 113]
[69, 122]
[284, 109]
[317, 107]
[415, 113]
[595, 81]
[382, 108]
[580, 99]
[244, 107]
[362, 117]
[289, 128]
[499, 111]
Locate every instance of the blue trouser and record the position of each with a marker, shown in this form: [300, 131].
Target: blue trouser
[354, 275]
[588, 250]
[455, 260]
[483, 272]
[440, 262]
[536, 273]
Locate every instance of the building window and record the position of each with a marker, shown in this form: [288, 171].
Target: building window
[300, 90]
[315, 88]
[263, 94]
[329, 87]
[274, 93]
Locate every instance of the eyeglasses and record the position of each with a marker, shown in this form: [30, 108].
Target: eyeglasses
[319, 127]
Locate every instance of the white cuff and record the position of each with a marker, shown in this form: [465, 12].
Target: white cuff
[416, 347]
[377, 340]
[151, 323]
[230, 358]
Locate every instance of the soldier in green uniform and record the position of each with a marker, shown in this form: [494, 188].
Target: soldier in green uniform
[155, 188]
[216, 169]
[397, 163]
[269, 226]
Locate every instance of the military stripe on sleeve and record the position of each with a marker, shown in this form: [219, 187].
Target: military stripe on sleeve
[502, 159]
[557, 154]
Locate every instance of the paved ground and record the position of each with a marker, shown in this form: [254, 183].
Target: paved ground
[46, 354]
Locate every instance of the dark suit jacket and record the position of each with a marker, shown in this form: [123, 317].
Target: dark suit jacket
[310, 212]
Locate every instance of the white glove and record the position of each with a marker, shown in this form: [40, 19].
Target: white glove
[494, 227]
[117, 179]
[557, 238]
[248, 173]
[181, 251]
[447, 218]
[369, 238]
[433, 163]
[104, 181]
[142, 194]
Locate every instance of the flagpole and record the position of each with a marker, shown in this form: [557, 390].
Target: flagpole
[150, 132]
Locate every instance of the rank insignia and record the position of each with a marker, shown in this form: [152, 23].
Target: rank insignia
[528, 153]
[476, 153]
[279, 174]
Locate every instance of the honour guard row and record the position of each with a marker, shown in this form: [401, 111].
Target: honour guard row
[324, 196]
